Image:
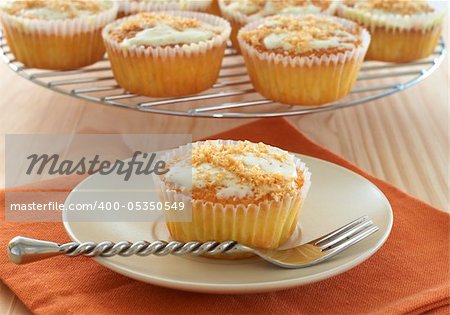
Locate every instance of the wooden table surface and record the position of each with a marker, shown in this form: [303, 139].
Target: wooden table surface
[403, 139]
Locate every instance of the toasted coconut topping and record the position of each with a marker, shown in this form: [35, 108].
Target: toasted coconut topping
[184, 4]
[54, 9]
[160, 29]
[303, 36]
[243, 173]
[272, 7]
[402, 7]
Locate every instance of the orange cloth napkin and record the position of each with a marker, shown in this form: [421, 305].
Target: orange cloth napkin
[409, 274]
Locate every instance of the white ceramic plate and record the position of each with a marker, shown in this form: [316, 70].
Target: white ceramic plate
[337, 196]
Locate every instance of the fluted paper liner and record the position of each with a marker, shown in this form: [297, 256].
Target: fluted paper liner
[267, 224]
[304, 80]
[179, 70]
[57, 44]
[372, 20]
[398, 38]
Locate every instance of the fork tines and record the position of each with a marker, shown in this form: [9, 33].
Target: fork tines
[346, 235]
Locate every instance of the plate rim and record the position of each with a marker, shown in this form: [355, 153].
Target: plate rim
[259, 287]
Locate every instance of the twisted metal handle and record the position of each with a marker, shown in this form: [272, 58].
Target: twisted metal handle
[23, 250]
[144, 248]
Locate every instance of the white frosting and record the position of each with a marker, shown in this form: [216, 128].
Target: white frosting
[182, 175]
[234, 190]
[250, 8]
[336, 41]
[183, 3]
[133, 6]
[48, 13]
[274, 41]
[340, 39]
[329, 43]
[185, 177]
[162, 34]
[379, 18]
[309, 9]
[246, 7]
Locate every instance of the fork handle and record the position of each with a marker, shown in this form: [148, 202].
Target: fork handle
[23, 250]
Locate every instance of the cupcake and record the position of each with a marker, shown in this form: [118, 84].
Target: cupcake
[166, 54]
[56, 34]
[251, 193]
[128, 7]
[401, 30]
[241, 12]
[305, 59]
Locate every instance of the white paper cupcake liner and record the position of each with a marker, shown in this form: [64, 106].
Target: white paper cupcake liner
[280, 206]
[178, 50]
[394, 22]
[66, 27]
[132, 7]
[326, 60]
[243, 19]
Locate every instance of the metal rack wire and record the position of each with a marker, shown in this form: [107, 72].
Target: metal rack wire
[232, 96]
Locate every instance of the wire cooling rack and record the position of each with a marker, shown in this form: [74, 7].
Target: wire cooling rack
[232, 96]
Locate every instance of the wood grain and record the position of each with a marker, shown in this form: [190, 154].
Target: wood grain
[403, 139]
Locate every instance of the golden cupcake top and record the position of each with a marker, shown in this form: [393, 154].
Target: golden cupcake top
[303, 36]
[400, 7]
[394, 14]
[242, 172]
[261, 8]
[54, 9]
[161, 30]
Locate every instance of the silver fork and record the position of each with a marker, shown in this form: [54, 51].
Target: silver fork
[22, 250]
